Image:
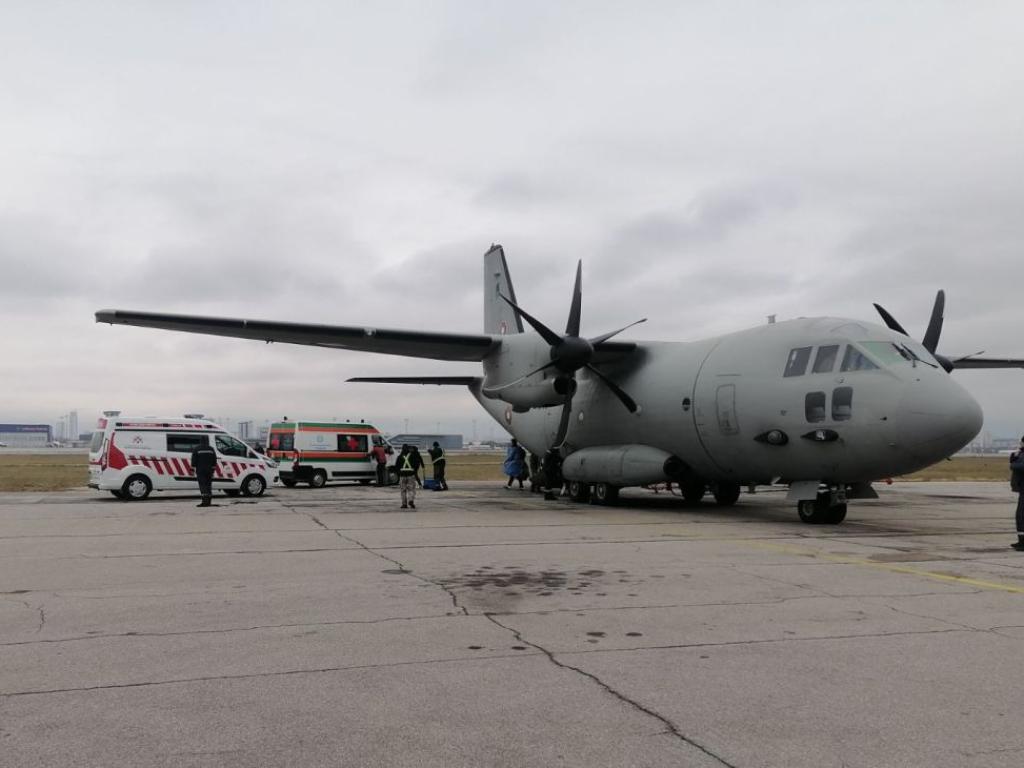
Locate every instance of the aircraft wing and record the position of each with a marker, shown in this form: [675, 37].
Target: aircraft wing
[986, 362]
[441, 381]
[427, 344]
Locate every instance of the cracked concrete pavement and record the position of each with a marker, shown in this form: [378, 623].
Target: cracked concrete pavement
[491, 628]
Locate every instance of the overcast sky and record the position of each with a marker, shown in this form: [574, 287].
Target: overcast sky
[711, 163]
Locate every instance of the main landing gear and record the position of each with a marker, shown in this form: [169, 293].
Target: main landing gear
[829, 508]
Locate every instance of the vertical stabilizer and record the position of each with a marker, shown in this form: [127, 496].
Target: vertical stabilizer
[499, 317]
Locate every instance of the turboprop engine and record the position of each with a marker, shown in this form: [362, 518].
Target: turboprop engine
[523, 396]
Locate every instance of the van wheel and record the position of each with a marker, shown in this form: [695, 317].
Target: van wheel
[136, 488]
[117, 494]
[231, 492]
[365, 482]
[253, 485]
[288, 483]
[319, 479]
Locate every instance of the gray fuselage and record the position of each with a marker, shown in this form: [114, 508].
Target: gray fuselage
[706, 402]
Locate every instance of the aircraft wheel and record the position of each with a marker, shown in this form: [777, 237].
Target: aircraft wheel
[807, 509]
[319, 479]
[693, 489]
[605, 493]
[288, 483]
[253, 485]
[136, 488]
[579, 492]
[835, 515]
[726, 494]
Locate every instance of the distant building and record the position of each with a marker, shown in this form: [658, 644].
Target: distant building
[25, 435]
[448, 442]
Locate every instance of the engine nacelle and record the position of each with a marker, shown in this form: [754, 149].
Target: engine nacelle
[622, 465]
[543, 394]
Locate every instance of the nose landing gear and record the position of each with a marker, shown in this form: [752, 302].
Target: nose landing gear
[829, 508]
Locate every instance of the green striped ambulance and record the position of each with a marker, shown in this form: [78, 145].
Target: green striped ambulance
[319, 452]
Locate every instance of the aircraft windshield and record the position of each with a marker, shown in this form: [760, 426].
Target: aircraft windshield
[886, 353]
[889, 353]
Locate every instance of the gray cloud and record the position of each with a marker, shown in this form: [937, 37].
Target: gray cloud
[710, 164]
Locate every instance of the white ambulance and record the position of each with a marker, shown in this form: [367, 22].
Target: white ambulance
[317, 451]
[130, 457]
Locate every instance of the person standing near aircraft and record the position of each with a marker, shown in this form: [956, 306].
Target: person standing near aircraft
[418, 462]
[515, 463]
[437, 459]
[204, 460]
[380, 455]
[407, 464]
[1017, 484]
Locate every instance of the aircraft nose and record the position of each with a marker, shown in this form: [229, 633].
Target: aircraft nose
[940, 418]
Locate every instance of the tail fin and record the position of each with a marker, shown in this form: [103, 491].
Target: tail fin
[499, 317]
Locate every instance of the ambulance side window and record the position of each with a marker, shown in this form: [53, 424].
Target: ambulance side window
[228, 446]
[186, 443]
[281, 442]
[353, 443]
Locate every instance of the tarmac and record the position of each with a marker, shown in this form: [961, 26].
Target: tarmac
[491, 628]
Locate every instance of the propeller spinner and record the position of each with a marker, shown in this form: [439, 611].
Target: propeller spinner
[571, 352]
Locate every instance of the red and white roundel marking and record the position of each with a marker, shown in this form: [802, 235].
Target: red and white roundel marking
[508, 415]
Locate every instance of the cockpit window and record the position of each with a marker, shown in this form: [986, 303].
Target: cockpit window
[918, 350]
[825, 360]
[886, 352]
[855, 360]
[796, 365]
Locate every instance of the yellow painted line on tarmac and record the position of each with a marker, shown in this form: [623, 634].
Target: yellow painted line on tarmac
[892, 567]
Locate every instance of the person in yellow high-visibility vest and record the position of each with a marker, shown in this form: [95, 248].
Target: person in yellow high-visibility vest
[437, 459]
[407, 465]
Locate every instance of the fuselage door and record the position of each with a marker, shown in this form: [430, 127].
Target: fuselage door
[725, 399]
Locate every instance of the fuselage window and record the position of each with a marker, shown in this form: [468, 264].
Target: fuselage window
[842, 403]
[796, 365]
[814, 406]
[825, 360]
[855, 360]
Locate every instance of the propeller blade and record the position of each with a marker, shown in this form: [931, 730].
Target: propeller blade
[890, 321]
[546, 333]
[607, 336]
[572, 328]
[563, 424]
[973, 361]
[931, 336]
[625, 399]
[520, 380]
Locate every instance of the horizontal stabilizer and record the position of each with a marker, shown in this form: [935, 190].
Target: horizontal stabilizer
[451, 381]
[428, 344]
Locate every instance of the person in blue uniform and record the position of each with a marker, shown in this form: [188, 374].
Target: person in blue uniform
[515, 463]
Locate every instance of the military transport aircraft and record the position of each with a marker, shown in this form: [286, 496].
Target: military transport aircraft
[824, 405]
